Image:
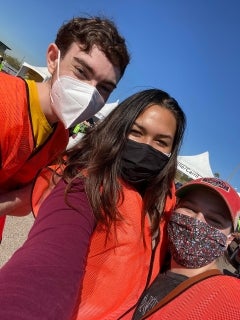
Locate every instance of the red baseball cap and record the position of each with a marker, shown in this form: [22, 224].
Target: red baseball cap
[224, 189]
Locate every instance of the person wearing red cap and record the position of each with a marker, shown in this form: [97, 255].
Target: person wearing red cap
[199, 231]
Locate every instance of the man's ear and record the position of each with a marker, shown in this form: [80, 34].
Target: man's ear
[52, 57]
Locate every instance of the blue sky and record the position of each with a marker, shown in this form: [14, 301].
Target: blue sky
[189, 48]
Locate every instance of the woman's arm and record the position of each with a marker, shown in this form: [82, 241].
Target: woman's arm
[43, 278]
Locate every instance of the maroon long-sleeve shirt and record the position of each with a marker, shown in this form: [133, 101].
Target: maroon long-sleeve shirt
[43, 278]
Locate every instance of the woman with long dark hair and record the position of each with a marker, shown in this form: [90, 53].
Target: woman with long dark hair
[99, 236]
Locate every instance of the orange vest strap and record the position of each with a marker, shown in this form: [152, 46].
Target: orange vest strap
[182, 287]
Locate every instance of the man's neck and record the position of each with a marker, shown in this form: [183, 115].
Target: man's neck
[44, 89]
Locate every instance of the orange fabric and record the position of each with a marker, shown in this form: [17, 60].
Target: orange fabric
[19, 161]
[215, 298]
[116, 271]
[44, 183]
[15, 124]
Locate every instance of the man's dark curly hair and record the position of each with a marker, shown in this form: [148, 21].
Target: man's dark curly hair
[88, 32]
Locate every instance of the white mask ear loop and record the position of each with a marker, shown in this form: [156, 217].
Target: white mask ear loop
[58, 63]
[58, 67]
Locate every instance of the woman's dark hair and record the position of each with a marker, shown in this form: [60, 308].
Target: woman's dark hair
[98, 156]
[90, 31]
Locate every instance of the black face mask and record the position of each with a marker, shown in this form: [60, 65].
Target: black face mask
[141, 162]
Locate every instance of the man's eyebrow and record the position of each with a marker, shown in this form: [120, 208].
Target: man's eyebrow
[91, 71]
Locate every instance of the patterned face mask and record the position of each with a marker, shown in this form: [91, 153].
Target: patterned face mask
[194, 243]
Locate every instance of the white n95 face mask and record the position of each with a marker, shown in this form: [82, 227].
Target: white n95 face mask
[74, 101]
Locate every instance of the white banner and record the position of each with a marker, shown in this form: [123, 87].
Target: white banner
[188, 171]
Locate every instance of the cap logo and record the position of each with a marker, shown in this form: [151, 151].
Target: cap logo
[217, 183]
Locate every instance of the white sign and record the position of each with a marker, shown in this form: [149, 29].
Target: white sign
[188, 171]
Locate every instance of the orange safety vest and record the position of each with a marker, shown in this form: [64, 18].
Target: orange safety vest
[117, 268]
[19, 160]
[215, 298]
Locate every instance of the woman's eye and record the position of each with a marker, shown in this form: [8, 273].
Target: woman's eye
[187, 210]
[162, 143]
[212, 222]
[135, 133]
[187, 206]
[104, 90]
